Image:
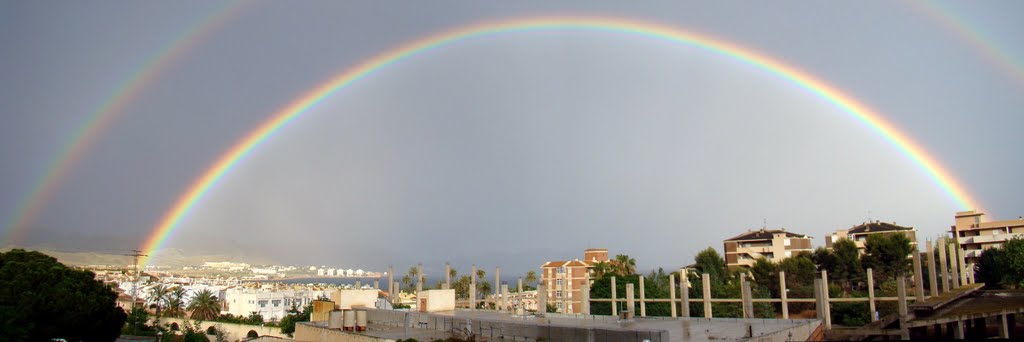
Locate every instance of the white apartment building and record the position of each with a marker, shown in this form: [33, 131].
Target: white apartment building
[271, 304]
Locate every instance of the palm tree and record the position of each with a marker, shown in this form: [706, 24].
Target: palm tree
[176, 301]
[204, 306]
[413, 276]
[158, 295]
[531, 277]
[480, 273]
[624, 265]
[601, 268]
[452, 273]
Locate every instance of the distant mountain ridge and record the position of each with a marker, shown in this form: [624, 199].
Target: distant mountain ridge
[173, 257]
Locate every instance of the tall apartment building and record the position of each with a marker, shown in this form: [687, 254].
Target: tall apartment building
[975, 236]
[564, 279]
[859, 233]
[777, 244]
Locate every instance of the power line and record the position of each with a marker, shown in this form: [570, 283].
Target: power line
[135, 285]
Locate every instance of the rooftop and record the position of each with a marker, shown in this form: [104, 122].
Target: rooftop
[765, 234]
[877, 226]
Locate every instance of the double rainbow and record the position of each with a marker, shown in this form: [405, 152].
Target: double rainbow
[808, 83]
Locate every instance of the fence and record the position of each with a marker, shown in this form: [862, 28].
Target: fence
[950, 275]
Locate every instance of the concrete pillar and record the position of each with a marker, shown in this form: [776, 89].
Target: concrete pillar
[542, 298]
[643, 305]
[615, 304]
[901, 295]
[519, 285]
[748, 311]
[819, 309]
[871, 294]
[783, 295]
[391, 282]
[943, 266]
[630, 301]
[472, 291]
[964, 280]
[359, 284]
[497, 281]
[447, 276]
[504, 298]
[918, 277]
[585, 301]
[706, 282]
[419, 278]
[684, 293]
[955, 267]
[1004, 327]
[825, 300]
[376, 284]
[932, 284]
[958, 330]
[396, 296]
[750, 300]
[672, 293]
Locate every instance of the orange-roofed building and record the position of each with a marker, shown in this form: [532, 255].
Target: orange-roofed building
[564, 279]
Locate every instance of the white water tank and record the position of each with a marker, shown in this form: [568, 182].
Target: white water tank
[335, 320]
[349, 323]
[361, 320]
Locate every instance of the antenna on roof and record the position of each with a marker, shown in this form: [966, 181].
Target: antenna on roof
[869, 216]
[765, 224]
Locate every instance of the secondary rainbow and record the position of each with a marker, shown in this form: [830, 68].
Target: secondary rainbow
[127, 91]
[973, 37]
[870, 118]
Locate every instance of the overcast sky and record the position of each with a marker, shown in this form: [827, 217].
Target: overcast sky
[508, 150]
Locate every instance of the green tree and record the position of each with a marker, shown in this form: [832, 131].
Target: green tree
[710, 262]
[1003, 267]
[800, 273]
[158, 295]
[42, 299]
[886, 254]
[461, 287]
[204, 306]
[176, 301]
[602, 289]
[295, 315]
[601, 269]
[842, 263]
[623, 265]
[530, 279]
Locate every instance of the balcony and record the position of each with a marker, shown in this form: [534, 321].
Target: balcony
[990, 238]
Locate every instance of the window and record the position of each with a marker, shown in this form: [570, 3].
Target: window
[559, 282]
[277, 302]
[263, 303]
[558, 294]
[559, 305]
[789, 254]
[560, 270]
[786, 242]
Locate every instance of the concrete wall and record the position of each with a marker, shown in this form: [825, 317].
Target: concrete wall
[437, 300]
[347, 299]
[306, 332]
[235, 331]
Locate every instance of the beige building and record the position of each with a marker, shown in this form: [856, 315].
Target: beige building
[564, 279]
[859, 233]
[974, 236]
[778, 244]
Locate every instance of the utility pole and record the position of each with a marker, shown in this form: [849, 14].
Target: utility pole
[135, 285]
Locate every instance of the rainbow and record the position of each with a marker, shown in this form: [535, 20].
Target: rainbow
[973, 37]
[86, 135]
[196, 191]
